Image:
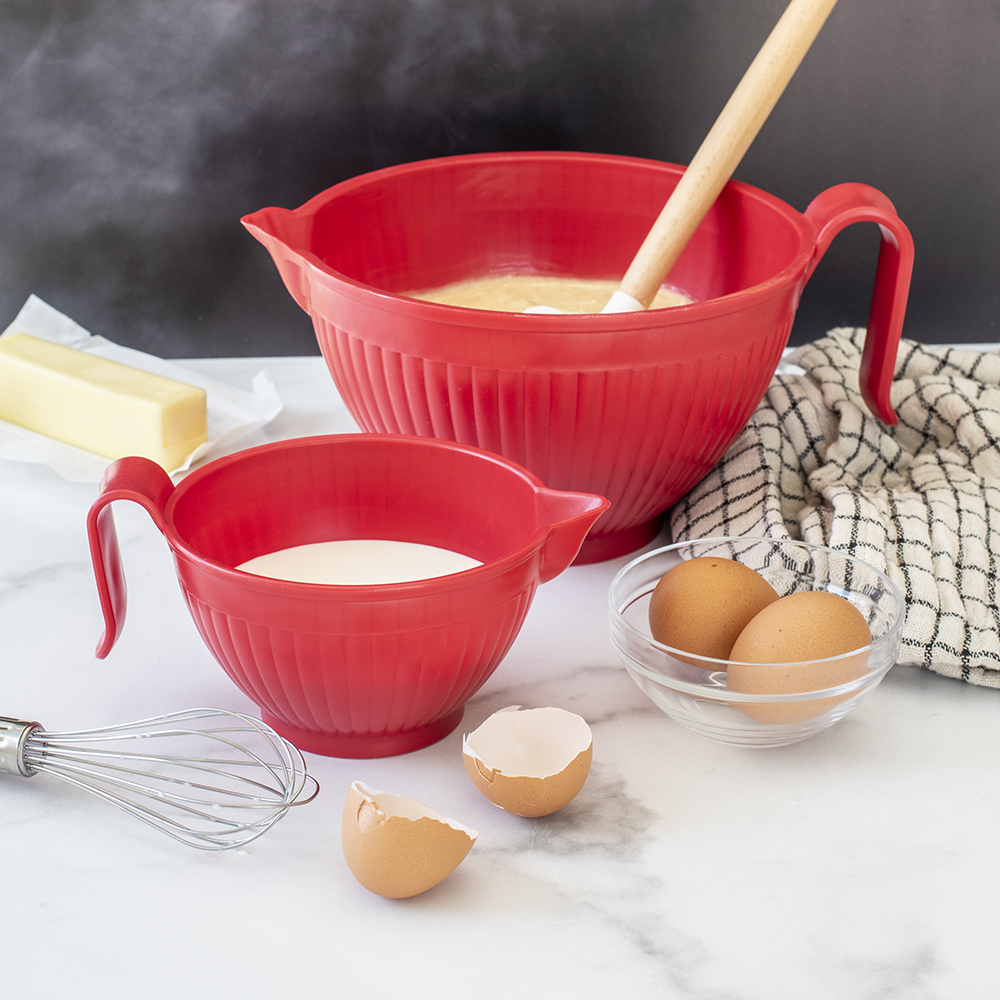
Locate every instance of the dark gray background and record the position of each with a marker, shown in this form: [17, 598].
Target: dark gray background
[135, 133]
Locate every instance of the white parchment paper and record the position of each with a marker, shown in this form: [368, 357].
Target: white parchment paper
[232, 412]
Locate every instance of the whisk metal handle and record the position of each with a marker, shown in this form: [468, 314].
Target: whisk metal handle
[14, 735]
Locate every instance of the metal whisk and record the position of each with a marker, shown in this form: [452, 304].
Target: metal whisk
[206, 777]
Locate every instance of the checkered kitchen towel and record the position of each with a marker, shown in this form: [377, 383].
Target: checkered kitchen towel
[921, 500]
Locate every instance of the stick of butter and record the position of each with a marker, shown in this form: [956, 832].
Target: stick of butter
[99, 405]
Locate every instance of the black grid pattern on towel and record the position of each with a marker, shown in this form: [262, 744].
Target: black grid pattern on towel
[920, 500]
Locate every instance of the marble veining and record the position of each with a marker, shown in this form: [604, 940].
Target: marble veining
[857, 864]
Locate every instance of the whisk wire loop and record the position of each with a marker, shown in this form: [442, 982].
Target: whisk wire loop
[210, 800]
[56, 758]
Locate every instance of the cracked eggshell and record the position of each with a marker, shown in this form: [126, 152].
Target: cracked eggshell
[396, 846]
[529, 762]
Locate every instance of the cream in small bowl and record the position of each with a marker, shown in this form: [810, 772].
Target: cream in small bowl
[354, 561]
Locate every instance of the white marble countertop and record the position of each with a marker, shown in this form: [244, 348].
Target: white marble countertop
[859, 864]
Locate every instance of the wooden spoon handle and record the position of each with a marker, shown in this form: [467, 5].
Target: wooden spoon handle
[723, 148]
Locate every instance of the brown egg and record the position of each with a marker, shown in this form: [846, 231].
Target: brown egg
[396, 846]
[529, 762]
[798, 630]
[703, 604]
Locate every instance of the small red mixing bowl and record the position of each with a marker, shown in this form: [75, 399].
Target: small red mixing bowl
[636, 407]
[350, 670]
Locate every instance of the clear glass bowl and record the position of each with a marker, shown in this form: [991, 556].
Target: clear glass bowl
[692, 689]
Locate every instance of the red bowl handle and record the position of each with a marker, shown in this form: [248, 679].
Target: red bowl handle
[832, 211]
[146, 483]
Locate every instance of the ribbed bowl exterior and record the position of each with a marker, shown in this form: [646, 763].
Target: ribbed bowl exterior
[641, 437]
[364, 683]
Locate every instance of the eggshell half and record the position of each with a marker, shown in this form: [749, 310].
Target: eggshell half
[530, 762]
[398, 847]
[786, 649]
[701, 605]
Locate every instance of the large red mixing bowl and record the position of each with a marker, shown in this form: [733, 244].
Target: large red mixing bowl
[350, 670]
[636, 407]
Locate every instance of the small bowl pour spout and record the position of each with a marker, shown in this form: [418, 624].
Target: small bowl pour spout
[569, 517]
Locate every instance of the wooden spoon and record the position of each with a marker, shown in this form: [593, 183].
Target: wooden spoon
[723, 148]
